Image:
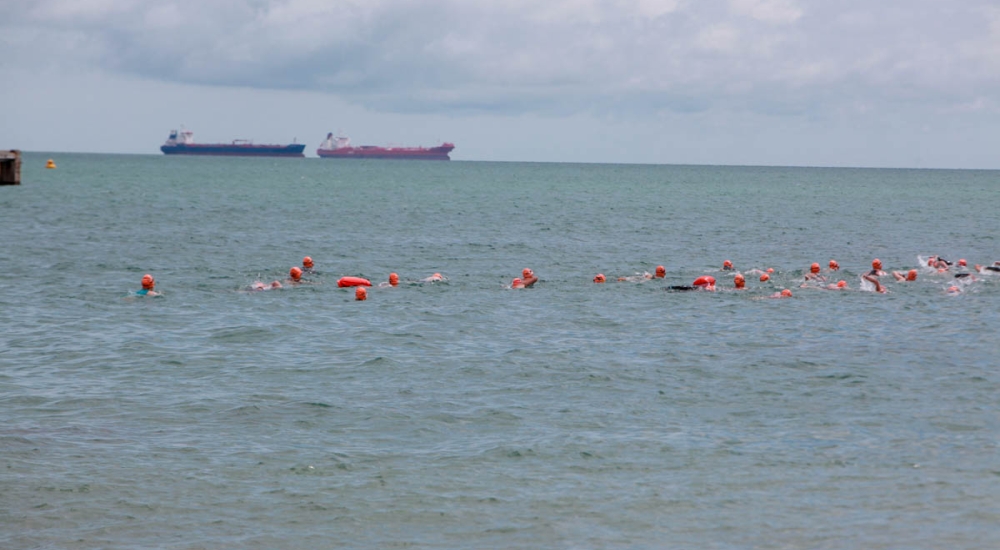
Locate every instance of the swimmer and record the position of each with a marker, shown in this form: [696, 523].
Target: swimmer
[727, 265]
[764, 277]
[295, 275]
[813, 274]
[257, 286]
[528, 277]
[876, 269]
[939, 263]
[599, 278]
[148, 284]
[874, 280]
[834, 266]
[636, 278]
[994, 267]
[435, 278]
[517, 283]
[739, 282]
[661, 272]
[307, 264]
[360, 294]
[954, 290]
[841, 285]
[393, 281]
[910, 275]
[786, 293]
[705, 282]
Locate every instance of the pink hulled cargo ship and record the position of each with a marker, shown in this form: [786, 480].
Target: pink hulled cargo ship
[340, 147]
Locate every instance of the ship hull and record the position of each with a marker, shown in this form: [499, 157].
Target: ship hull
[401, 153]
[225, 150]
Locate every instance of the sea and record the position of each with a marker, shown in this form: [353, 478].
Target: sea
[466, 414]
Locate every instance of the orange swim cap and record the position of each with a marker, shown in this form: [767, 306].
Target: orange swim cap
[295, 273]
[764, 277]
[393, 279]
[360, 294]
[727, 264]
[147, 282]
[517, 283]
[961, 262]
[770, 270]
[307, 262]
[953, 289]
[526, 273]
[834, 265]
[599, 278]
[911, 275]
[739, 281]
[786, 293]
[814, 267]
[876, 264]
[661, 272]
[841, 284]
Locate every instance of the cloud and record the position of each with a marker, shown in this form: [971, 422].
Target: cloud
[606, 57]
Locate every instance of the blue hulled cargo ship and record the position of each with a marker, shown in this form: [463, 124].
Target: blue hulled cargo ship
[182, 143]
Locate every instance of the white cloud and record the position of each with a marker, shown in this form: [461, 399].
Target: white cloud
[769, 11]
[610, 57]
[721, 38]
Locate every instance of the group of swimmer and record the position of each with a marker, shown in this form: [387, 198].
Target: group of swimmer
[815, 278]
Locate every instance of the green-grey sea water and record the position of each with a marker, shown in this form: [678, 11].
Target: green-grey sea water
[465, 414]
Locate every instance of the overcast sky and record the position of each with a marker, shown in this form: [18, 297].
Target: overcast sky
[895, 83]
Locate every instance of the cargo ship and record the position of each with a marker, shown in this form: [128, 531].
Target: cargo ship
[340, 148]
[182, 143]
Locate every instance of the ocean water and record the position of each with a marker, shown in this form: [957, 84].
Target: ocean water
[465, 414]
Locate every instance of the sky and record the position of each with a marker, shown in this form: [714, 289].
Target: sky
[888, 83]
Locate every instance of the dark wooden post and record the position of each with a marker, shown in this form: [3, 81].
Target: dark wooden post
[10, 167]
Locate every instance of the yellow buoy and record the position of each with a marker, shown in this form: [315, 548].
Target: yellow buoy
[50, 164]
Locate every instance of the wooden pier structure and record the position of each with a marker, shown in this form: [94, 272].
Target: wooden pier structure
[10, 167]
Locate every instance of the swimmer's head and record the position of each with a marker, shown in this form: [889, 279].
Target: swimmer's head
[770, 270]
[147, 282]
[961, 262]
[275, 284]
[814, 267]
[661, 272]
[360, 294]
[911, 275]
[876, 264]
[764, 277]
[834, 266]
[307, 262]
[841, 284]
[517, 283]
[599, 278]
[393, 279]
[727, 264]
[786, 293]
[526, 273]
[739, 281]
[954, 289]
[295, 273]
